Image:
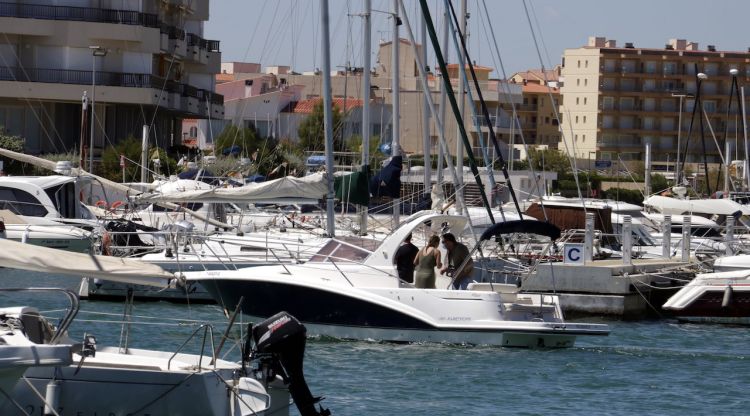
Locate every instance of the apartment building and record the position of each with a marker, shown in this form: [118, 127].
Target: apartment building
[142, 62]
[618, 98]
[540, 107]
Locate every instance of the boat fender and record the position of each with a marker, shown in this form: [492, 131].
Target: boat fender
[52, 398]
[106, 243]
[727, 300]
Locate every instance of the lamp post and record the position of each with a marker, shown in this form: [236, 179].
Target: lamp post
[679, 135]
[95, 51]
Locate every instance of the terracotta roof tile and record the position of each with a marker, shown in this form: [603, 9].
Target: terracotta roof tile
[306, 106]
[538, 88]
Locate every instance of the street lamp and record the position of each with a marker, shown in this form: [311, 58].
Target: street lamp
[679, 135]
[95, 51]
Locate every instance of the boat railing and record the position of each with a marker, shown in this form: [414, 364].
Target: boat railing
[208, 332]
[67, 319]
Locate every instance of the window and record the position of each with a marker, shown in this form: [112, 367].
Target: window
[709, 106]
[576, 137]
[584, 119]
[583, 138]
[21, 202]
[585, 82]
[576, 119]
[585, 100]
[650, 67]
[577, 100]
[587, 63]
[579, 63]
[670, 68]
[578, 82]
[608, 103]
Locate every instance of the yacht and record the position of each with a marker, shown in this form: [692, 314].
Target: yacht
[721, 297]
[350, 290]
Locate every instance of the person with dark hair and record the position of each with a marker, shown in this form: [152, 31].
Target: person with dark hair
[457, 254]
[426, 260]
[404, 260]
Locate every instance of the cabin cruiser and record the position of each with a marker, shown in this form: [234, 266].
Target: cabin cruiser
[350, 290]
[46, 211]
[721, 297]
[124, 380]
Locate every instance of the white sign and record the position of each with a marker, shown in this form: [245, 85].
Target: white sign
[573, 253]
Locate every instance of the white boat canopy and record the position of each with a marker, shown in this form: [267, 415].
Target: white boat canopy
[311, 187]
[674, 206]
[21, 256]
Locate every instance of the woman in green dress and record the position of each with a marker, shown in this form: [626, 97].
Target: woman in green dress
[426, 260]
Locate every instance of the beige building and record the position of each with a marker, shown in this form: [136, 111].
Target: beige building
[618, 98]
[348, 83]
[148, 59]
[541, 103]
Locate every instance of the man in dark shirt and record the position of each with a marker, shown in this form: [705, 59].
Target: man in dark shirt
[404, 260]
[457, 254]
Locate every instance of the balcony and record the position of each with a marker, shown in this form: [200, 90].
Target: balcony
[180, 93]
[80, 14]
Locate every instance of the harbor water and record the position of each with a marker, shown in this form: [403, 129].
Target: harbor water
[658, 367]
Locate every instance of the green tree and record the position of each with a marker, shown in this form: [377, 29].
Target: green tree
[131, 149]
[15, 144]
[549, 160]
[354, 143]
[312, 132]
[246, 138]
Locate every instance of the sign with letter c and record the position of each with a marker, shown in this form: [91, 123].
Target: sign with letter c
[573, 253]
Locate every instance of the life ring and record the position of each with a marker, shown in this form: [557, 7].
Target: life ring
[115, 205]
[100, 203]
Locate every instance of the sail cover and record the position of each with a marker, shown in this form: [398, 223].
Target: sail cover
[21, 256]
[674, 206]
[311, 187]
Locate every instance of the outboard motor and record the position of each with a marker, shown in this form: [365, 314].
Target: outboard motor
[280, 345]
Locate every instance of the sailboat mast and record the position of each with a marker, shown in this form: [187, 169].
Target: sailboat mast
[367, 40]
[396, 107]
[461, 104]
[327, 114]
[443, 94]
[426, 119]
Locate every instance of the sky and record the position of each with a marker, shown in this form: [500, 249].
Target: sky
[287, 32]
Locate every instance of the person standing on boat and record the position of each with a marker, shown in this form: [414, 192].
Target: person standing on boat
[426, 260]
[404, 260]
[457, 254]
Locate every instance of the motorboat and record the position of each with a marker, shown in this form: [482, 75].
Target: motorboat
[350, 290]
[124, 380]
[18, 352]
[722, 297]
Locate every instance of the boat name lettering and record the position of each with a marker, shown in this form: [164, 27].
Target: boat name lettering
[455, 318]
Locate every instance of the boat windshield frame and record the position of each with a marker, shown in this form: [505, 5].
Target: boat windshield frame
[345, 249]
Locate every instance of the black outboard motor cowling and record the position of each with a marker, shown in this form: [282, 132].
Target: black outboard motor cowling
[283, 336]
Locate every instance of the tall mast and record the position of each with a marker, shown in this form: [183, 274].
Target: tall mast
[461, 103]
[426, 119]
[327, 114]
[443, 92]
[395, 89]
[367, 39]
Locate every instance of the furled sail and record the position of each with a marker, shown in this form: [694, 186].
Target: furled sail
[21, 256]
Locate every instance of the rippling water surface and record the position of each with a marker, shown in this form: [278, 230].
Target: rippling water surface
[651, 367]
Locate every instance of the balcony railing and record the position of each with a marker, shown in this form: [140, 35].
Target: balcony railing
[112, 79]
[209, 45]
[81, 14]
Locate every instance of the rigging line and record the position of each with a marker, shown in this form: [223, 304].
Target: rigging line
[28, 100]
[515, 117]
[268, 32]
[454, 105]
[696, 102]
[503, 165]
[573, 161]
[541, 37]
[724, 158]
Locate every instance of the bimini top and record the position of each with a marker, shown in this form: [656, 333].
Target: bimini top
[522, 226]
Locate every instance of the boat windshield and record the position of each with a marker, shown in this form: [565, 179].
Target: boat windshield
[345, 249]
